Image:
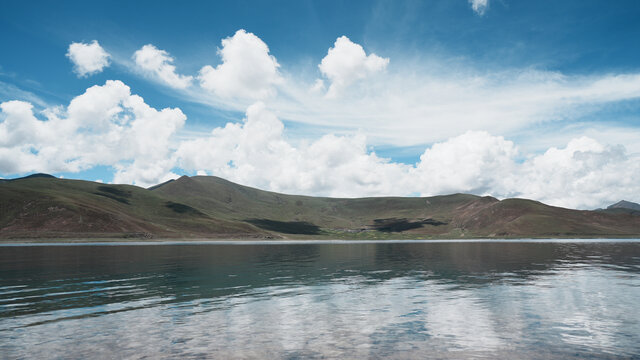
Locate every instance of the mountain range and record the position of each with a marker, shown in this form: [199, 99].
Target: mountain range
[41, 206]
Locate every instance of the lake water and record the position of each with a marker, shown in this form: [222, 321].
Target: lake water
[446, 300]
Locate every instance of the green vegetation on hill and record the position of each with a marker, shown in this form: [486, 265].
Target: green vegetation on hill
[38, 207]
[211, 207]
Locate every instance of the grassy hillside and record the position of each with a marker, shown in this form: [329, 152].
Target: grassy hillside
[50, 207]
[211, 207]
[458, 215]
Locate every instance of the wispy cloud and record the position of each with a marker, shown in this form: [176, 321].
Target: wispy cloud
[409, 103]
[12, 92]
[583, 173]
[475, 128]
[107, 125]
[159, 64]
[479, 6]
[408, 108]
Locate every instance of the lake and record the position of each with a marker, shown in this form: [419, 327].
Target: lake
[447, 300]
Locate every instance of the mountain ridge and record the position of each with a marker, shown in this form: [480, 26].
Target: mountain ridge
[214, 208]
[623, 204]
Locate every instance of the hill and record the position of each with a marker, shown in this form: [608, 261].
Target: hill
[47, 207]
[211, 207]
[623, 204]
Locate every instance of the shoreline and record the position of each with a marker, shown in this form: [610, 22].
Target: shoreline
[204, 241]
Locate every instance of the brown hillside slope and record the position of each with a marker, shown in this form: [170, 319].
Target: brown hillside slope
[49, 207]
[211, 207]
[458, 215]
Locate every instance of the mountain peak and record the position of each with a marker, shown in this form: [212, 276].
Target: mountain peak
[623, 204]
[37, 175]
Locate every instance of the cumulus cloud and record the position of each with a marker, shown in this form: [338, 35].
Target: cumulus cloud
[88, 59]
[247, 70]
[584, 174]
[107, 125]
[160, 64]
[466, 163]
[347, 62]
[257, 153]
[479, 6]
[417, 102]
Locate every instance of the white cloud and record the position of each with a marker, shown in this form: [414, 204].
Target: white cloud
[247, 70]
[88, 59]
[604, 133]
[106, 125]
[347, 62]
[160, 64]
[479, 6]
[466, 163]
[415, 106]
[416, 102]
[318, 86]
[257, 153]
[585, 174]
[12, 92]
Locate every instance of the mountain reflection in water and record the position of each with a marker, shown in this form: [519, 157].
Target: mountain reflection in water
[372, 300]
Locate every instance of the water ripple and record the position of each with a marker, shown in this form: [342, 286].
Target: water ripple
[463, 300]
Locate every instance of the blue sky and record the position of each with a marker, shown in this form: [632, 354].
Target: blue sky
[419, 97]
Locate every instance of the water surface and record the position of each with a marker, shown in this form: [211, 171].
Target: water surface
[457, 300]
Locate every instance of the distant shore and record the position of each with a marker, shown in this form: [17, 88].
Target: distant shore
[248, 241]
[42, 208]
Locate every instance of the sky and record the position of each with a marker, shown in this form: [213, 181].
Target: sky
[531, 99]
